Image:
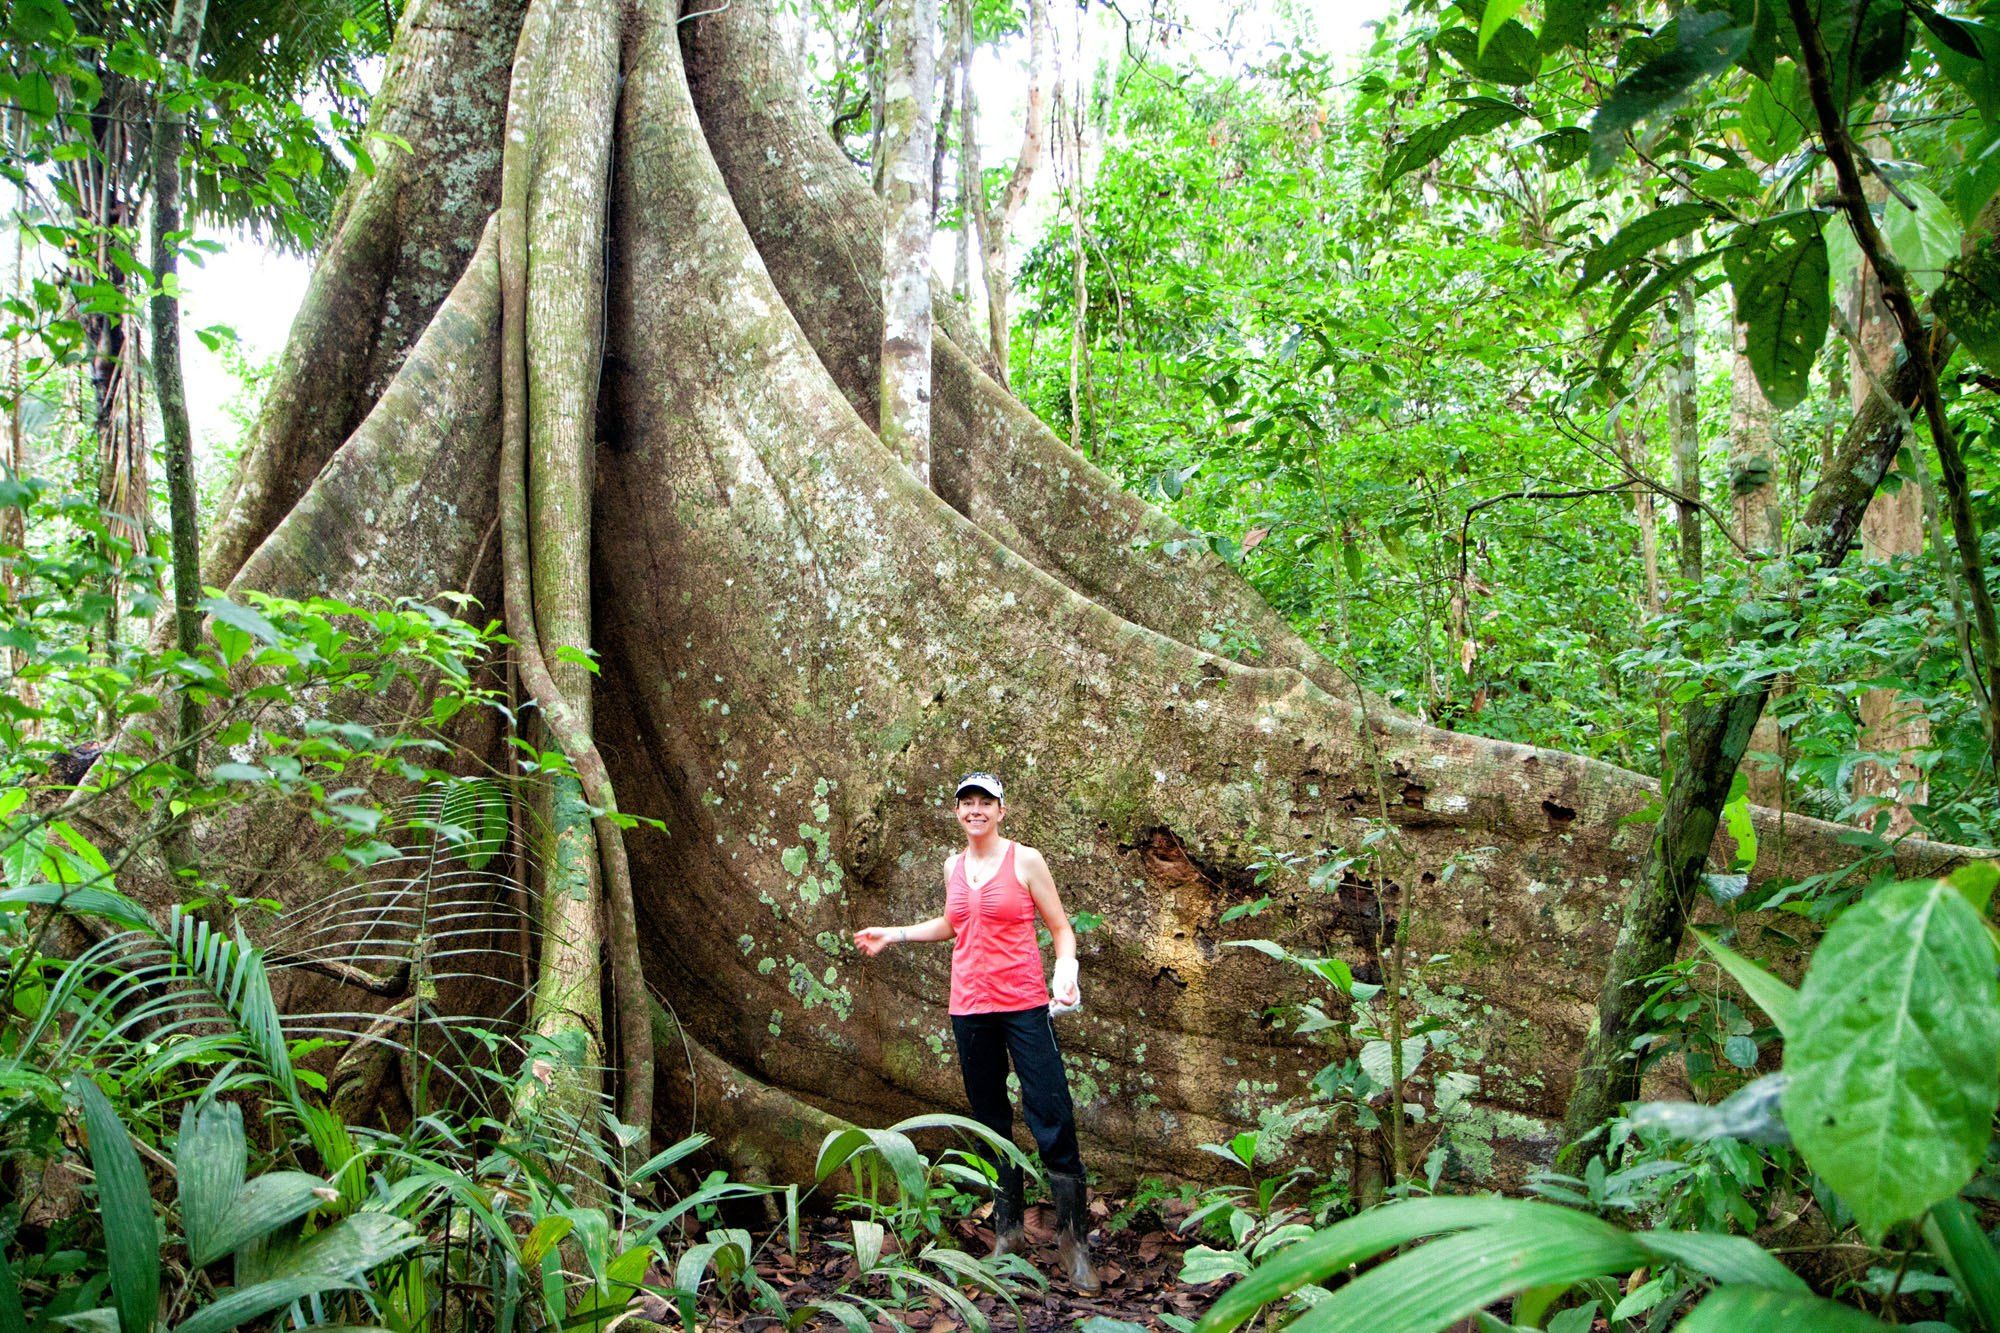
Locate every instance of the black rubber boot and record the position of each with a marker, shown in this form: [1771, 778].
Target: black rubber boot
[1009, 1213]
[1073, 1231]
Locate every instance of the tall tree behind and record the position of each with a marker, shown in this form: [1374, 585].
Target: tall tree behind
[1756, 516]
[993, 224]
[1893, 526]
[906, 236]
[1684, 425]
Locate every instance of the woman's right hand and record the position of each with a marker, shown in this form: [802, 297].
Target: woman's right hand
[872, 940]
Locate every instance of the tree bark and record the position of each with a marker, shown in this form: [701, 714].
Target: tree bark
[401, 236]
[1759, 528]
[1684, 428]
[1893, 527]
[906, 235]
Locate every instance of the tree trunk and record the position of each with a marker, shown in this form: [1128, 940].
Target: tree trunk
[1894, 527]
[801, 646]
[1759, 527]
[400, 238]
[1684, 427]
[996, 225]
[906, 236]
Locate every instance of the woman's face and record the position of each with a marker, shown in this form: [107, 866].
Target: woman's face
[979, 814]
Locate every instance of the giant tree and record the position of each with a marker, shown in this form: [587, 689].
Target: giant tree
[733, 603]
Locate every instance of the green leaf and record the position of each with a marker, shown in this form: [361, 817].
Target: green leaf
[1641, 237]
[243, 1304]
[1778, 269]
[1926, 238]
[1510, 55]
[1362, 1237]
[40, 20]
[1742, 830]
[1498, 14]
[1727, 1259]
[842, 1145]
[209, 1160]
[1647, 295]
[1777, 999]
[239, 616]
[1434, 1285]
[1955, 1236]
[1568, 22]
[1424, 147]
[125, 1208]
[1775, 114]
[1976, 880]
[1750, 1310]
[104, 903]
[1895, 1056]
[1978, 74]
[1204, 1263]
[1706, 46]
[239, 773]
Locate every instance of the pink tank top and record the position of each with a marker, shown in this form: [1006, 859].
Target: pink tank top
[996, 962]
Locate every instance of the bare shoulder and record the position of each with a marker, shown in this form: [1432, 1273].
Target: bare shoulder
[951, 864]
[1027, 858]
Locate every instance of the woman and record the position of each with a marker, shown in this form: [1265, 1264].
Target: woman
[1000, 1007]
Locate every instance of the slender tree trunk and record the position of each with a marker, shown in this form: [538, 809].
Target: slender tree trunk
[1079, 288]
[906, 238]
[1632, 451]
[169, 133]
[1758, 522]
[996, 226]
[1684, 428]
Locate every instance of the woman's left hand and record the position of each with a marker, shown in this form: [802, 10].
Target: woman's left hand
[1063, 985]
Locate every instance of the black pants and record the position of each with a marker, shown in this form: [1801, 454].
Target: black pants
[985, 1042]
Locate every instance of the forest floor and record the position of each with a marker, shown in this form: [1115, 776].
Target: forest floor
[1138, 1263]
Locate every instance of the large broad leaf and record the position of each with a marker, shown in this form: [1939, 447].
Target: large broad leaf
[1363, 1237]
[1978, 71]
[1749, 1310]
[1642, 236]
[1707, 44]
[1776, 114]
[842, 1145]
[125, 1208]
[209, 1160]
[1435, 1285]
[1922, 232]
[1894, 1055]
[1779, 271]
[1423, 147]
[1859, 52]
[1511, 55]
